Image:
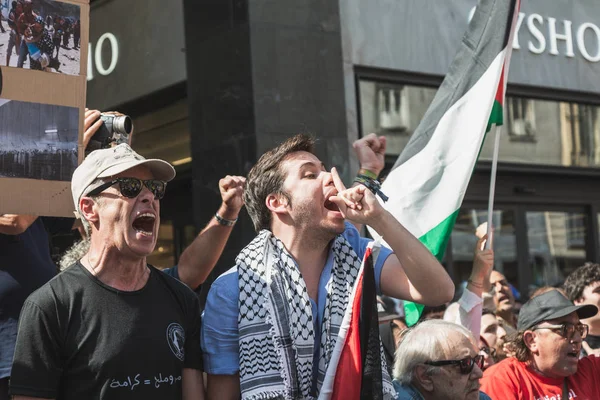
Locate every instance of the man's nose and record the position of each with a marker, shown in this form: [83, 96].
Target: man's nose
[477, 373]
[576, 338]
[146, 195]
[327, 178]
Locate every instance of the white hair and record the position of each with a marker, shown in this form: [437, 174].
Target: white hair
[74, 253]
[426, 341]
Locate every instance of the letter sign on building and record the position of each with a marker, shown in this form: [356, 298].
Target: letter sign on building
[97, 61]
[538, 27]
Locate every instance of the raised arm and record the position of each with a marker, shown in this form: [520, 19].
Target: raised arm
[471, 302]
[200, 257]
[412, 272]
[11, 224]
[370, 152]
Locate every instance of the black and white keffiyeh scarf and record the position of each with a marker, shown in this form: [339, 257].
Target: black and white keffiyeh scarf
[276, 334]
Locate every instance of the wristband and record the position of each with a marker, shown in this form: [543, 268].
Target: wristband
[371, 184]
[225, 222]
[367, 173]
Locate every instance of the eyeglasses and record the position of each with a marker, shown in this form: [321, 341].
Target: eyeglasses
[489, 351]
[567, 330]
[466, 365]
[131, 187]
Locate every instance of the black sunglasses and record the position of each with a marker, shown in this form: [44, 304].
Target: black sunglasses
[131, 187]
[466, 365]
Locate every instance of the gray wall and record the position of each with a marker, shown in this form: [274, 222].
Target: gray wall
[422, 36]
[297, 75]
[151, 46]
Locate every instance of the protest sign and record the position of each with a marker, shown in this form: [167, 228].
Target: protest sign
[42, 104]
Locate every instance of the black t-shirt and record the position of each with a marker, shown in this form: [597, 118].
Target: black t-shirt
[81, 339]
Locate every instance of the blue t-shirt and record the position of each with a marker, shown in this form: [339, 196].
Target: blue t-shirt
[220, 337]
[25, 265]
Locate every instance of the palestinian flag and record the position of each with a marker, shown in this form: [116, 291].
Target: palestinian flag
[355, 369]
[428, 182]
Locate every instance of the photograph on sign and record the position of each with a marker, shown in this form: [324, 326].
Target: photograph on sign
[43, 35]
[38, 141]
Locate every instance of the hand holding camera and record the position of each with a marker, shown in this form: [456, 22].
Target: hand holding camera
[104, 130]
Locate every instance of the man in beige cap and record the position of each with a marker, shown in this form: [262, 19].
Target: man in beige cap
[111, 326]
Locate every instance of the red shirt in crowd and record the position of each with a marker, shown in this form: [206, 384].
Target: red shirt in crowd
[512, 379]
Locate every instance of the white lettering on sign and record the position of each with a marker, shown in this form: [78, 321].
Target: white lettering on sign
[581, 41]
[97, 60]
[556, 37]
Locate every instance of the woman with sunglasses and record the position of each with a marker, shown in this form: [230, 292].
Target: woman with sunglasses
[438, 360]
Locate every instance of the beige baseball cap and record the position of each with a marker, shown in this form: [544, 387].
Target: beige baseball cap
[105, 163]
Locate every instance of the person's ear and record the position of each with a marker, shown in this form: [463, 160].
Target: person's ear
[578, 301]
[530, 339]
[276, 203]
[423, 377]
[89, 209]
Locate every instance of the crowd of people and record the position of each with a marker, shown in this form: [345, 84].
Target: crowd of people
[111, 326]
[39, 38]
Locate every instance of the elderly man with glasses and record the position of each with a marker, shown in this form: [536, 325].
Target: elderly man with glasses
[438, 360]
[111, 326]
[547, 346]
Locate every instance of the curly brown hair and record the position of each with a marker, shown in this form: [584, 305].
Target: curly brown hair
[515, 344]
[266, 177]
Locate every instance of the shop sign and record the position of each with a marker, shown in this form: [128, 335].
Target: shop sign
[546, 33]
[97, 62]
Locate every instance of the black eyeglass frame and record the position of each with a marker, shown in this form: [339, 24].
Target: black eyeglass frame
[583, 331]
[490, 351]
[149, 183]
[466, 364]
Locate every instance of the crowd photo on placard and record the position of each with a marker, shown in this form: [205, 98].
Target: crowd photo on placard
[41, 35]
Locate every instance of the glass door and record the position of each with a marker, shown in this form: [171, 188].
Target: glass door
[557, 245]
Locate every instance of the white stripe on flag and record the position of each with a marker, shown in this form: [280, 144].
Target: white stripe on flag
[430, 186]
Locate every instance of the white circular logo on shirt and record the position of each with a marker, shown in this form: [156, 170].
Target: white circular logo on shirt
[176, 339]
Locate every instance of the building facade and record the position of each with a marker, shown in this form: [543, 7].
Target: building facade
[212, 84]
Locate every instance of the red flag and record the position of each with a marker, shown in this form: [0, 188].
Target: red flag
[354, 372]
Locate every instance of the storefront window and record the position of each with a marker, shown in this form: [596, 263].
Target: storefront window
[463, 241]
[164, 134]
[556, 245]
[534, 132]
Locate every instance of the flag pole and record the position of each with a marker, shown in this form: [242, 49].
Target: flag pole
[497, 133]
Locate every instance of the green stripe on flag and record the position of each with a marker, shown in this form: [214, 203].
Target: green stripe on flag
[496, 116]
[412, 312]
[436, 239]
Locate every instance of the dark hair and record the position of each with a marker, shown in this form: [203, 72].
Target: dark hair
[579, 279]
[429, 310]
[13, 4]
[487, 311]
[546, 289]
[266, 177]
[516, 344]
